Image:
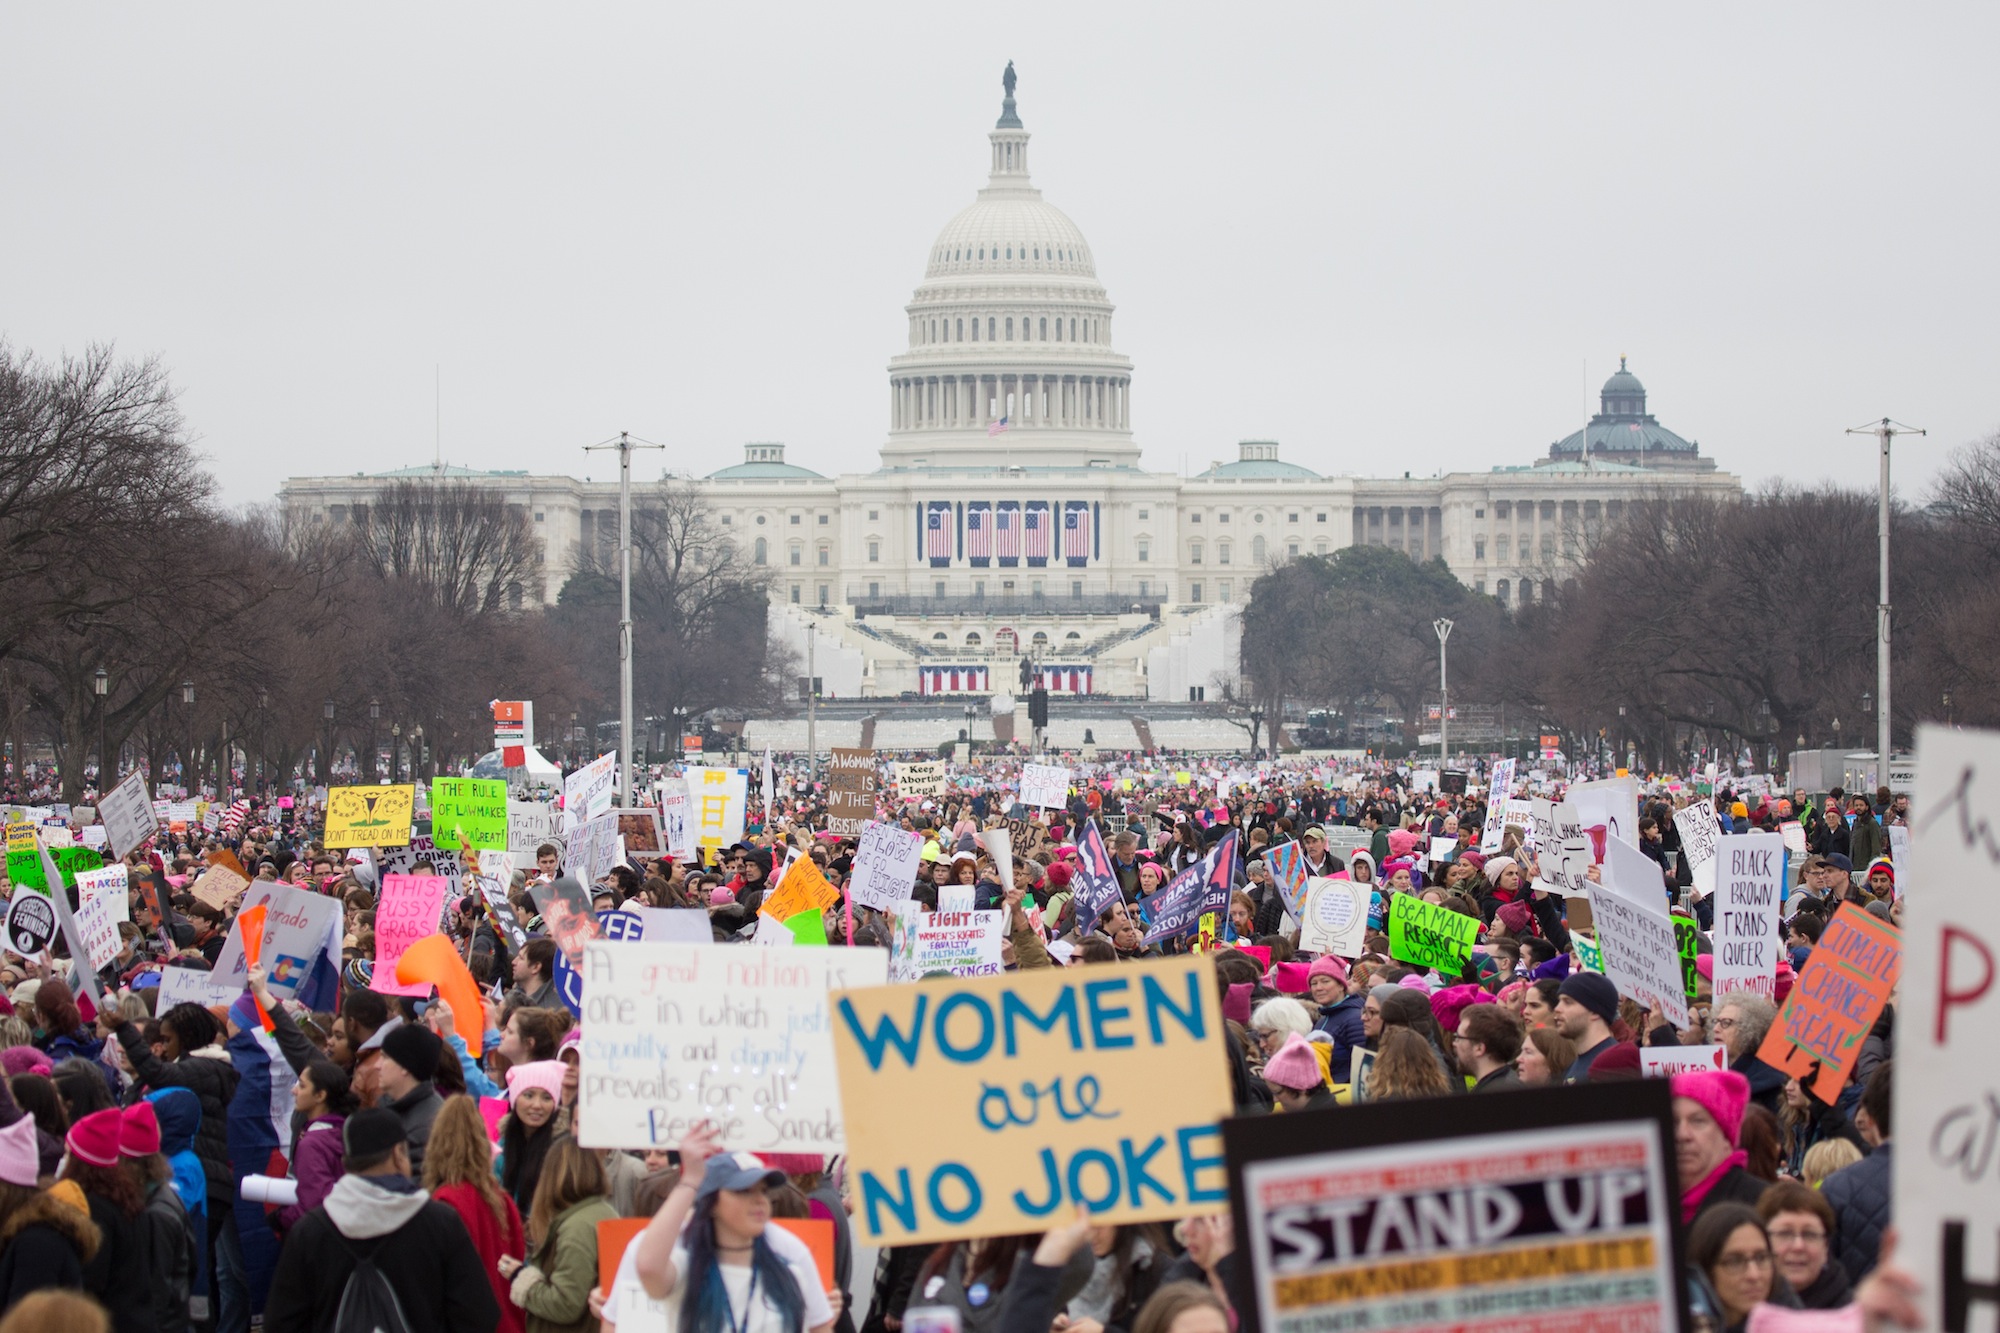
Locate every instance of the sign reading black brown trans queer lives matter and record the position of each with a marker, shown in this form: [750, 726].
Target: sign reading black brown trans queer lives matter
[850, 790]
[1554, 1208]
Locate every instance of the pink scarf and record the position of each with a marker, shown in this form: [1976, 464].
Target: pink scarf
[1691, 1199]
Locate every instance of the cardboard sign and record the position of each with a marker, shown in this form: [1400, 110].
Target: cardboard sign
[127, 812]
[1041, 1091]
[850, 790]
[964, 944]
[1749, 898]
[588, 792]
[473, 809]
[370, 816]
[1641, 954]
[803, 889]
[1552, 1208]
[1335, 920]
[916, 782]
[407, 911]
[1045, 786]
[219, 887]
[1562, 851]
[678, 1033]
[885, 866]
[1946, 1209]
[1666, 1061]
[1837, 998]
[299, 925]
[1427, 935]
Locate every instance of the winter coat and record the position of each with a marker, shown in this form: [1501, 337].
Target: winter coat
[567, 1262]
[417, 1243]
[492, 1240]
[171, 1250]
[1866, 840]
[1341, 1020]
[179, 1114]
[1859, 1196]
[417, 1109]
[209, 1075]
[317, 1166]
[44, 1243]
[120, 1275]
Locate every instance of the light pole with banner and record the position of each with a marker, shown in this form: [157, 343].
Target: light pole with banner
[1443, 628]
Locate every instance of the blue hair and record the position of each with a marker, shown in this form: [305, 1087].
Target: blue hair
[704, 1298]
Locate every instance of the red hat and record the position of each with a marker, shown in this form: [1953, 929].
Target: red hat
[94, 1139]
[138, 1130]
[1059, 875]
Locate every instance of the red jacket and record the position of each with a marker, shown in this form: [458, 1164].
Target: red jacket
[487, 1238]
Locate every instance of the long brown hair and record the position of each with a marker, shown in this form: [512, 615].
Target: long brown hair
[459, 1153]
[570, 1174]
[1172, 1300]
[1405, 1066]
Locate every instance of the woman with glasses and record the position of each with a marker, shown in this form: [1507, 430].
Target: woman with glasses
[1800, 1225]
[1731, 1270]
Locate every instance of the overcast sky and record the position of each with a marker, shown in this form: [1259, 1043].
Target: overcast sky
[1389, 236]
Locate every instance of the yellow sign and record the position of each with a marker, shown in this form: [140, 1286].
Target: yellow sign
[1039, 1091]
[370, 816]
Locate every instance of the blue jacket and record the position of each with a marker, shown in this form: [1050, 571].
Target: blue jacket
[1341, 1020]
[1860, 1196]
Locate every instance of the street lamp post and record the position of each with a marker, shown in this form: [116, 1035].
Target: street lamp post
[263, 734]
[395, 751]
[187, 755]
[419, 757]
[100, 685]
[374, 737]
[1256, 726]
[1443, 628]
[326, 759]
[1885, 432]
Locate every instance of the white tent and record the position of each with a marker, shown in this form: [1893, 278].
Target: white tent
[535, 771]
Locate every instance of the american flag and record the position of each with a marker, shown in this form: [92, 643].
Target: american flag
[996, 427]
[1007, 531]
[937, 532]
[979, 531]
[1076, 532]
[232, 822]
[1035, 527]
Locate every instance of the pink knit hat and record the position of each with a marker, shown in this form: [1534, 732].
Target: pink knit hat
[1289, 979]
[20, 1157]
[1326, 965]
[544, 1074]
[1294, 1066]
[1236, 1002]
[794, 1163]
[138, 1130]
[24, 1060]
[94, 1139]
[1723, 1093]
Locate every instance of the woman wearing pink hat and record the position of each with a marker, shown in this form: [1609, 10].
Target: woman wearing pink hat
[46, 1237]
[118, 1274]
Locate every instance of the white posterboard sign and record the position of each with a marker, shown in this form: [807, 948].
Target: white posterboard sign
[1666, 1061]
[588, 792]
[1336, 917]
[112, 884]
[674, 1034]
[1045, 785]
[529, 825]
[191, 985]
[885, 866]
[676, 827]
[1641, 953]
[1946, 1208]
[965, 944]
[1699, 832]
[1749, 899]
[127, 812]
[99, 930]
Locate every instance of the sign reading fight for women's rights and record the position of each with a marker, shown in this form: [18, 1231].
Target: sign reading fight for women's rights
[674, 1034]
[988, 1106]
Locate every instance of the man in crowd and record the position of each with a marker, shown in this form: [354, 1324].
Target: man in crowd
[1586, 1009]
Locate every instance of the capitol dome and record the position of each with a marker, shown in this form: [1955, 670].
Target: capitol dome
[1009, 335]
[1624, 432]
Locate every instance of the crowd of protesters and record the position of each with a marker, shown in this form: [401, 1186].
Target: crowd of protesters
[456, 1186]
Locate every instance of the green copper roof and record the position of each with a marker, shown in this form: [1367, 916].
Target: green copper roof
[1260, 468]
[765, 472]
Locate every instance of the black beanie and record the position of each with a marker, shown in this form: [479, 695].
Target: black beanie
[416, 1049]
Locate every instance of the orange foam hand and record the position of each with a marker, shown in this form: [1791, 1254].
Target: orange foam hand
[432, 959]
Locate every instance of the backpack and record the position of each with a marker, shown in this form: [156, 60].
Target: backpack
[368, 1304]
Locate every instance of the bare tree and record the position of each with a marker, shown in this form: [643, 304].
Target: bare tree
[461, 547]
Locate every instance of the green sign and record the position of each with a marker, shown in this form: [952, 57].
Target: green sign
[474, 807]
[26, 867]
[1588, 956]
[1689, 941]
[1426, 935]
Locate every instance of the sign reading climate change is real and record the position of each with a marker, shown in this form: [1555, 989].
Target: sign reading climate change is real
[1038, 1092]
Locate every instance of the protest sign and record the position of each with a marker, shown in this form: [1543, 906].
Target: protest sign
[83, 978]
[1552, 1208]
[127, 812]
[95, 838]
[299, 925]
[885, 866]
[717, 800]
[1562, 850]
[1500, 783]
[191, 985]
[965, 944]
[1899, 856]
[493, 892]
[587, 793]
[1666, 1061]
[529, 825]
[564, 905]
[678, 1033]
[1335, 920]
[1442, 850]
[471, 810]
[1946, 1209]
[916, 782]
[407, 911]
[673, 925]
[31, 921]
[422, 856]
[676, 823]
[803, 889]
[1094, 884]
[1045, 785]
[1589, 957]
[639, 831]
[1700, 833]
[1641, 954]
[1427, 935]
[1287, 862]
[1042, 1091]
[1000, 846]
[1749, 890]
[1687, 942]
[1839, 994]
[1202, 888]
[111, 884]
[370, 816]
[850, 790]
[219, 887]
[1605, 809]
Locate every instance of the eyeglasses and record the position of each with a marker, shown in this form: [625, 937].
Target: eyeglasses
[1720, 1023]
[1798, 1238]
[1736, 1263]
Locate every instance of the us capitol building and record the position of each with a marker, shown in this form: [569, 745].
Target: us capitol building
[1011, 517]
